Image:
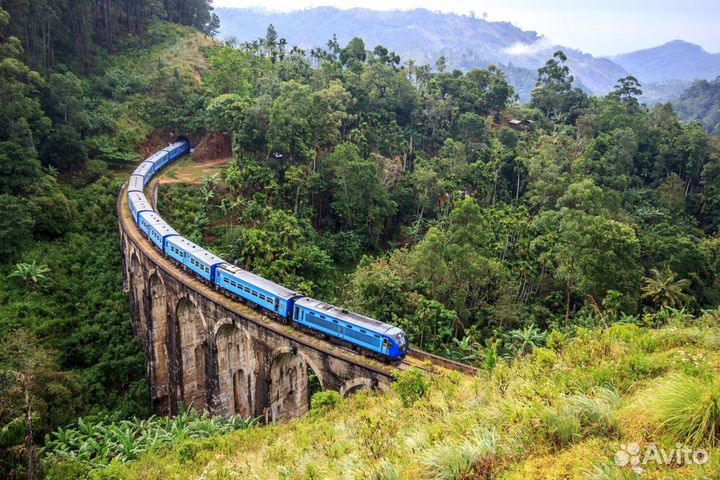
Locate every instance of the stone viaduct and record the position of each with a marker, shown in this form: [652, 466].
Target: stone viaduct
[205, 350]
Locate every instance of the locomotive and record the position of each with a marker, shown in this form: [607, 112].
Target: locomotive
[368, 335]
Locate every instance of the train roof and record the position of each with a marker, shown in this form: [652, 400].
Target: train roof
[139, 200]
[158, 223]
[184, 243]
[196, 250]
[259, 281]
[174, 146]
[136, 183]
[349, 317]
[143, 169]
[156, 156]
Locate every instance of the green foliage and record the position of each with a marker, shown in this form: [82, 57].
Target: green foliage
[687, 408]
[322, 401]
[31, 275]
[94, 445]
[663, 290]
[700, 103]
[411, 386]
[554, 94]
[472, 458]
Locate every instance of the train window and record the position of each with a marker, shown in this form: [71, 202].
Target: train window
[377, 336]
[254, 294]
[297, 313]
[335, 321]
[262, 297]
[349, 326]
[322, 316]
[247, 289]
[226, 280]
[363, 331]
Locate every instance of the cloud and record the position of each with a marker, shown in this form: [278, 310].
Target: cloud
[521, 49]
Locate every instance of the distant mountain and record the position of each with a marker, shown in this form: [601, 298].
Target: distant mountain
[676, 60]
[468, 42]
[423, 36]
[701, 102]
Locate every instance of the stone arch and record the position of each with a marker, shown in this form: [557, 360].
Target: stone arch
[356, 385]
[289, 373]
[193, 351]
[235, 364]
[158, 315]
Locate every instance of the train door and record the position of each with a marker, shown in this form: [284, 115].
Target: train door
[385, 346]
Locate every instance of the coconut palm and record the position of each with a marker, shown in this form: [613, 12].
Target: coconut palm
[31, 275]
[662, 288]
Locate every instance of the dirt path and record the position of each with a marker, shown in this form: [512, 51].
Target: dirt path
[189, 170]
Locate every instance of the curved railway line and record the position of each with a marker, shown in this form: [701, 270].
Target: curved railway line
[415, 358]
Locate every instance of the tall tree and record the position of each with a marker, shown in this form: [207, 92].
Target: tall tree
[554, 94]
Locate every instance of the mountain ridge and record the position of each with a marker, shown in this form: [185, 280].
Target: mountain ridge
[673, 60]
[468, 42]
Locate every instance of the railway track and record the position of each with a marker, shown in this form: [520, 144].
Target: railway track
[415, 358]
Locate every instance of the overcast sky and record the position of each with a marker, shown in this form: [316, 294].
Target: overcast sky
[600, 27]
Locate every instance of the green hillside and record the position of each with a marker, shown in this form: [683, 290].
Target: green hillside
[568, 248]
[558, 412]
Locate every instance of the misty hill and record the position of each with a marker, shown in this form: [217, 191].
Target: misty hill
[423, 36]
[701, 102]
[468, 42]
[676, 60]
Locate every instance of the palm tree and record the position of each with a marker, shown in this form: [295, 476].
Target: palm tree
[32, 275]
[663, 290]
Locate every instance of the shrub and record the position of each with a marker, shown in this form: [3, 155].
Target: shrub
[384, 471]
[411, 385]
[609, 472]
[544, 357]
[322, 401]
[639, 366]
[597, 413]
[459, 460]
[687, 408]
[712, 341]
[562, 426]
[556, 340]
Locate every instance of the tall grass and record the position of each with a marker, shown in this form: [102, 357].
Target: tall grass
[597, 412]
[687, 409]
[609, 472]
[454, 460]
[582, 416]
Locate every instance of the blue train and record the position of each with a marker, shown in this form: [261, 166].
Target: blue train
[376, 338]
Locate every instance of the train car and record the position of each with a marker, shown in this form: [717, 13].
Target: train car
[371, 335]
[158, 160]
[383, 339]
[138, 204]
[155, 228]
[136, 184]
[176, 150]
[145, 170]
[194, 257]
[263, 293]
